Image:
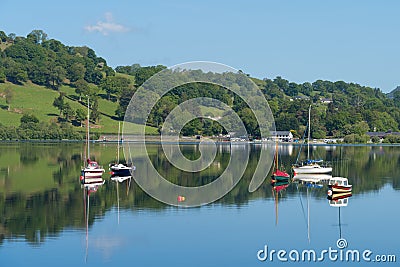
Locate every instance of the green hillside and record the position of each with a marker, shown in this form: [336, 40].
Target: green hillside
[37, 100]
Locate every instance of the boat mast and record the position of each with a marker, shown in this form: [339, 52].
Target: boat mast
[309, 129]
[276, 148]
[119, 126]
[88, 136]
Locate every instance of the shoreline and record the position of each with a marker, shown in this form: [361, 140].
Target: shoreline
[192, 142]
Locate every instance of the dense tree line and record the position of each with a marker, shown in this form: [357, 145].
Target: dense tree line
[339, 108]
[31, 128]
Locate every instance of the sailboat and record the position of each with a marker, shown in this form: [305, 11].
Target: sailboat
[118, 169]
[309, 165]
[278, 175]
[92, 173]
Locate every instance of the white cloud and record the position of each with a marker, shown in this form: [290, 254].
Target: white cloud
[107, 26]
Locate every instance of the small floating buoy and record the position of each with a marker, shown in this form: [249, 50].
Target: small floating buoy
[330, 192]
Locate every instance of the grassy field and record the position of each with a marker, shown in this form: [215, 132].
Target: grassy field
[38, 100]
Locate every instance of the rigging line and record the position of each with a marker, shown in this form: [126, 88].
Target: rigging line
[302, 207]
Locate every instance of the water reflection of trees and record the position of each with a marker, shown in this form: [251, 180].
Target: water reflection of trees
[35, 215]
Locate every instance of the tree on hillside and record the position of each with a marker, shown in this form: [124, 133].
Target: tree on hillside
[82, 88]
[14, 71]
[27, 118]
[37, 36]
[11, 37]
[68, 112]
[3, 37]
[124, 99]
[95, 113]
[55, 76]
[76, 72]
[80, 115]
[114, 85]
[59, 102]
[9, 94]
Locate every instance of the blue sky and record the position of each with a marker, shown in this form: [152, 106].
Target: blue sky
[354, 41]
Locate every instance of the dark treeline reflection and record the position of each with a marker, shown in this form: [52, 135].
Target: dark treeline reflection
[40, 193]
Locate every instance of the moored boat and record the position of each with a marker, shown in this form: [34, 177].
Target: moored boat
[279, 175]
[92, 172]
[310, 166]
[118, 169]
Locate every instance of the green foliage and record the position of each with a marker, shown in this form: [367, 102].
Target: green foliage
[354, 109]
[356, 138]
[375, 139]
[94, 113]
[9, 95]
[2, 75]
[82, 88]
[80, 115]
[141, 74]
[392, 139]
[59, 102]
[29, 118]
[115, 85]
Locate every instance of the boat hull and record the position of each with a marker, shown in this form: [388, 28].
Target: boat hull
[121, 170]
[340, 188]
[312, 169]
[90, 173]
[280, 178]
[337, 196]
[92, 180]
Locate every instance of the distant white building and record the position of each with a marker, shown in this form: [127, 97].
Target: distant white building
[282, 136]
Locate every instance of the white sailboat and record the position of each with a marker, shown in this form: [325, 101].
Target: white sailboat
[310, 166]
[92, 172]
[119, 171]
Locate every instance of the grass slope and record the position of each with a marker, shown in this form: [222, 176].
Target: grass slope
[38, 100]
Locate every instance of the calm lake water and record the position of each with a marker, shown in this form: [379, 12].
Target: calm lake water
[47, 220]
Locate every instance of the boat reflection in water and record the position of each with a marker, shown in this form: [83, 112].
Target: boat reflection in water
[338, 185]
[88, 189]
[278, 187]
[339, 200]
[310, 182]
[119, 180]
[338, 195]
